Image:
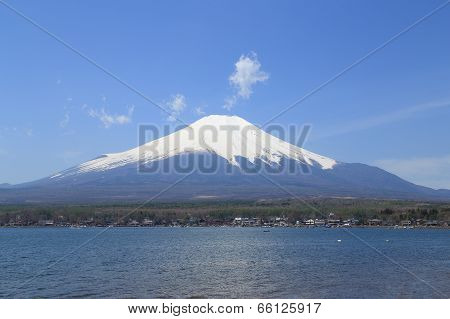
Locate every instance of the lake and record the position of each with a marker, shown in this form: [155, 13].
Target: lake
[224, 263]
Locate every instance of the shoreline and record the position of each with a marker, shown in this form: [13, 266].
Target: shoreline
[231, 226]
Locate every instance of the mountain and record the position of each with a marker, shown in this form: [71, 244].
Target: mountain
[221, 157]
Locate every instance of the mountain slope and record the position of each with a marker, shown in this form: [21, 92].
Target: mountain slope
[225, 157]
[230, 137]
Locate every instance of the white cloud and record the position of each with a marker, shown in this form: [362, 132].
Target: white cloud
[426, 171]
[65, 121]
[247, 73]
[230, 102]
[176, 105]
[110, 119]
[199, 111]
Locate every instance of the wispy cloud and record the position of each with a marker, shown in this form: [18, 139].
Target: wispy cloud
[247, 73]
[108, 119]
[427, 171]
[176, 105]
[7, 131]
[65, 121]
[199, 111]
[374, 121]
[229, 102]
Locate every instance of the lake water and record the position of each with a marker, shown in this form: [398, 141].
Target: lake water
[224, 263]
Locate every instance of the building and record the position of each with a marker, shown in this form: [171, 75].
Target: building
[133, 223]
[147, 222]
[46, 222]
[375, 222]
[246, 222]
[334, 222]
[310, 222]
[432, 223]
[405, 223]
[319, 222]
[237, 221]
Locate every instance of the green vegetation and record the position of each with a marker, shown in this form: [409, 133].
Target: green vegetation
[390, 212]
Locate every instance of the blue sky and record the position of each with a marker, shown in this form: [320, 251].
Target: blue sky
[392, 110]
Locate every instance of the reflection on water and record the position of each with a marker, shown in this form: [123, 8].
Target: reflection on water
[224, 263]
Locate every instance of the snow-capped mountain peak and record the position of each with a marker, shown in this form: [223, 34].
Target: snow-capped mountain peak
[229, 137]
